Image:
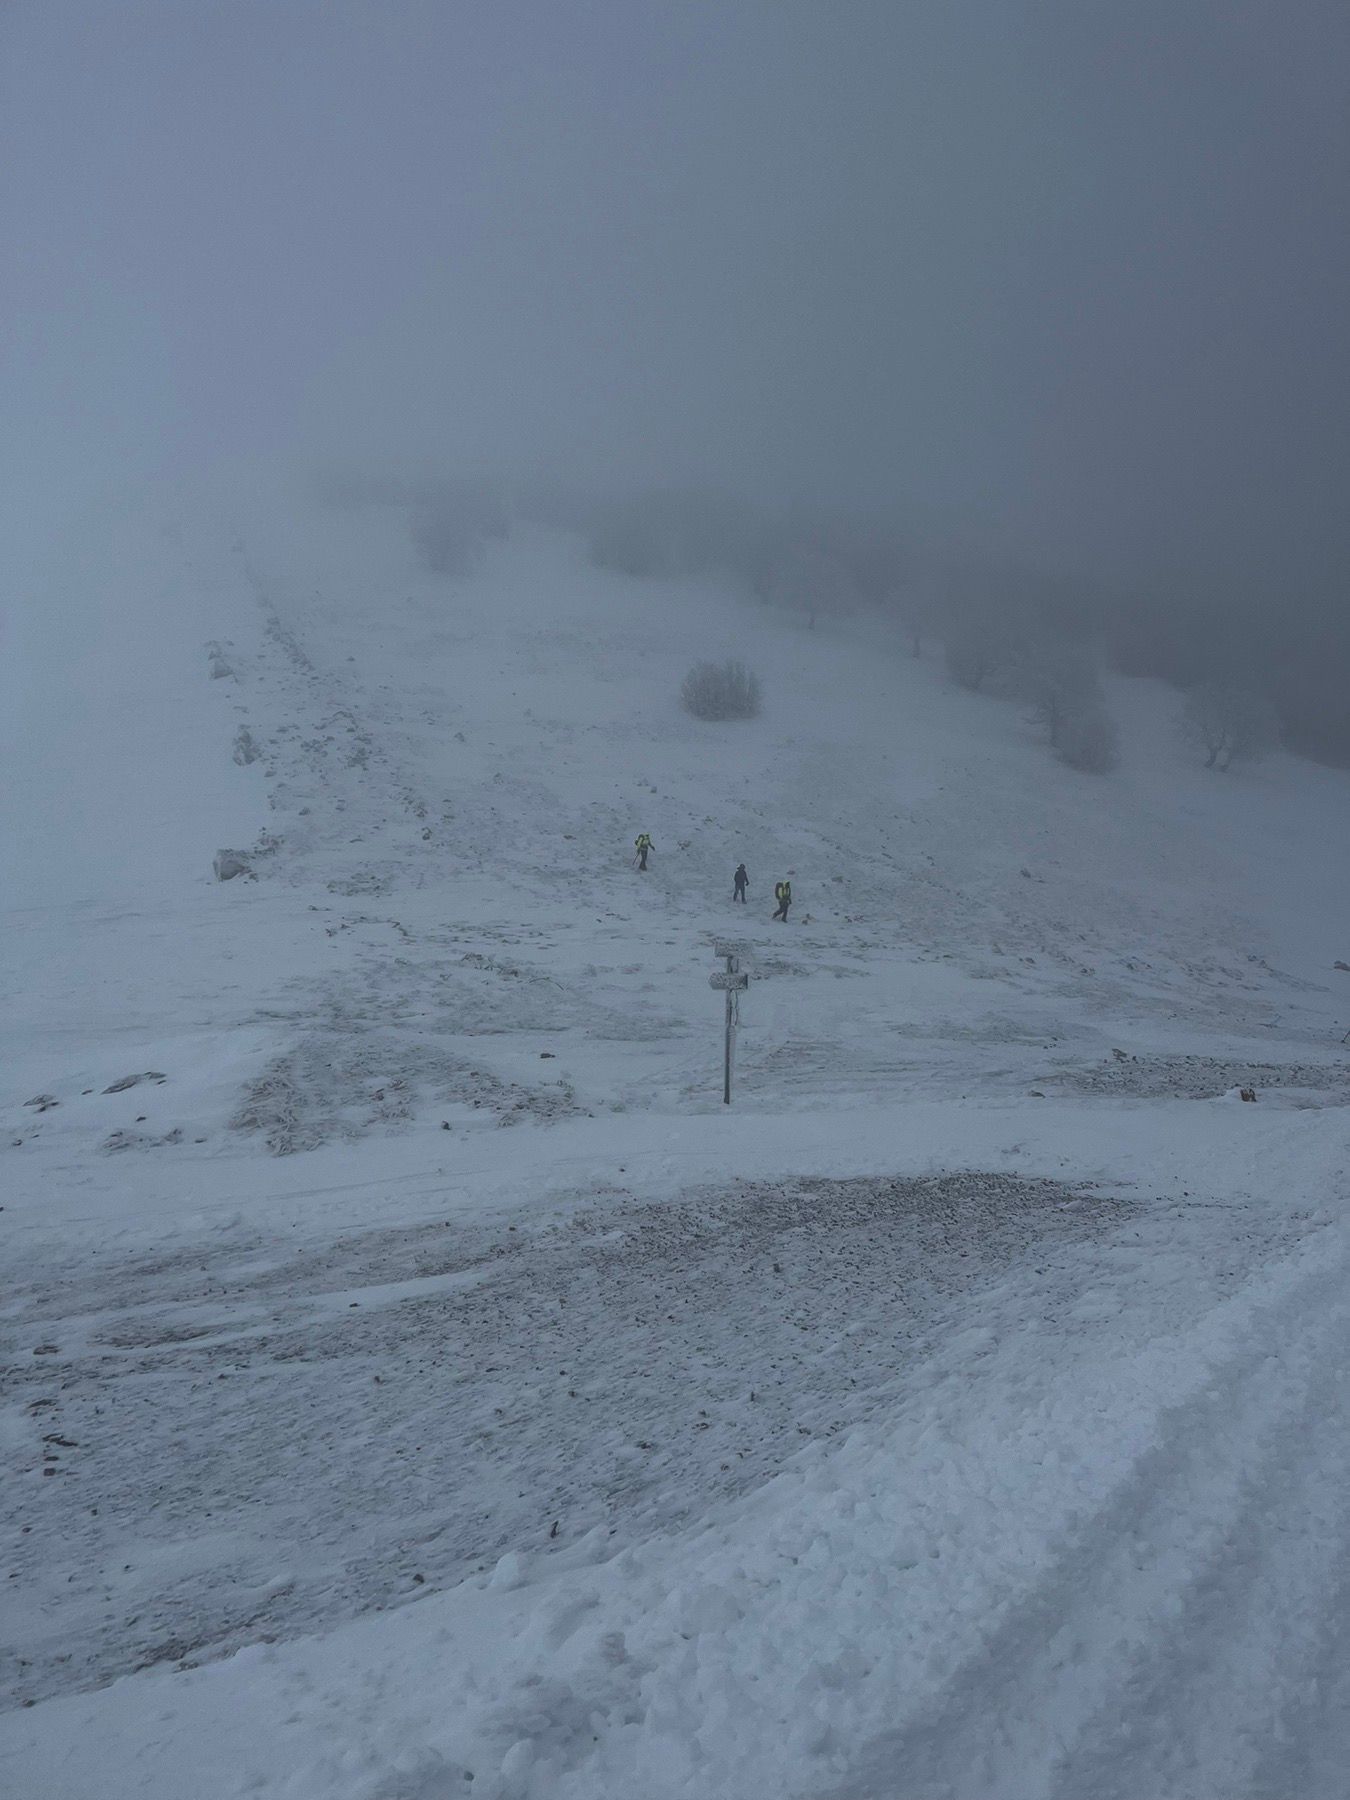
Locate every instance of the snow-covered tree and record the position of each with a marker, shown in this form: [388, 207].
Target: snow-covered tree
[1061, 683]
[1088, 739]
[808, 580]
[450, 524]
[1229, 724]
[920, 613]
[982, 646]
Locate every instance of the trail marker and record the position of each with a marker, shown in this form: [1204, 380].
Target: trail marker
[733, 980]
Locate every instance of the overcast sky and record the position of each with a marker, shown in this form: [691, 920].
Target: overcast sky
[1076, 271]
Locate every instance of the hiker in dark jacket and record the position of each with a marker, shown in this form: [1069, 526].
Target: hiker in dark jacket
[741, 881]
[782, 893]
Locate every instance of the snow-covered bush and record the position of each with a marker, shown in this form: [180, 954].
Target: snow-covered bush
[1088, 740]
[721, 691]
[451, 524]
[1229, 724]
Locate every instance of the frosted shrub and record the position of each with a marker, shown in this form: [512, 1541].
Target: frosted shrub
[720, 691]
[1229, 724]
[451, 526]
[982, 650]
[1088, 740]
[1060, 681]
[809, 581]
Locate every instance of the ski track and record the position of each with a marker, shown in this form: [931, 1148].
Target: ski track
[1210, 1589]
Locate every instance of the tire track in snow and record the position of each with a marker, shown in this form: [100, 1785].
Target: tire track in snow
[1169, 1650]
[1204, 1697]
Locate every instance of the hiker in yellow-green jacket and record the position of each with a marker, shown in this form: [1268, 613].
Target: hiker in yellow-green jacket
[782, 893]
[642, 844]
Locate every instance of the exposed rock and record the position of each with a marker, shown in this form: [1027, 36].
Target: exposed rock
[141, 1140]
[229, 863]
[130, 1081]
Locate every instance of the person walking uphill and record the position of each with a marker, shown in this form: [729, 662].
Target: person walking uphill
[740, 881]
[782, 893]
[642, 844]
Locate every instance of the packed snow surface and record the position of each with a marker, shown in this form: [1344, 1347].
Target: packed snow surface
[418, 1384]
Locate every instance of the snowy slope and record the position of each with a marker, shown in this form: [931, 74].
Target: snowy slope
[967, 1368]
[455, 787]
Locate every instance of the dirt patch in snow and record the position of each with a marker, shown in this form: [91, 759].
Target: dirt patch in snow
[1201, 1077]
[343, 1085]
[391, 1412]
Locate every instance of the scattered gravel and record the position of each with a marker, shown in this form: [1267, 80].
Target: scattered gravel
[405, 1404]
[1202, 1077]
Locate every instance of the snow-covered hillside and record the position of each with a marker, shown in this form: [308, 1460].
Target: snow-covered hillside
[957, 1414]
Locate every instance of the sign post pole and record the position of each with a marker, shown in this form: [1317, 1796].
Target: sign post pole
[726, 1060]
[732, 981]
